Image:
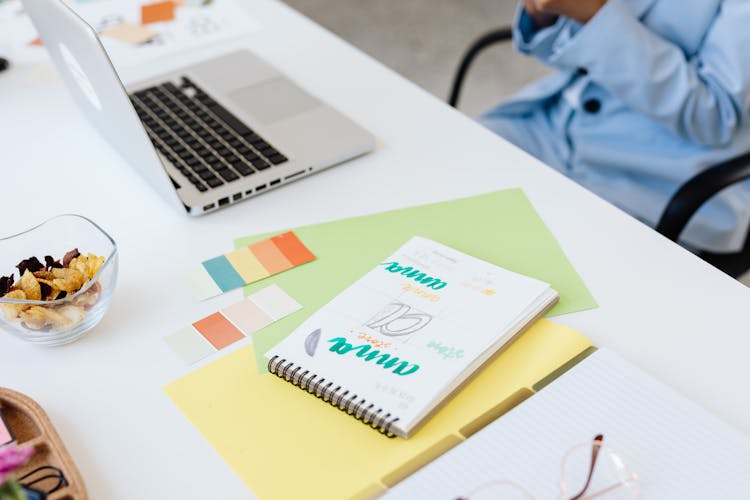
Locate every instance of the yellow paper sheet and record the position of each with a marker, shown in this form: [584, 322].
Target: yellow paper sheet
[286, 444]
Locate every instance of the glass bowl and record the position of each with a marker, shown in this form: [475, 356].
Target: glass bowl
[63, 320]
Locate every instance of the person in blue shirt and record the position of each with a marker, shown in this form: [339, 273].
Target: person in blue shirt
[647, 94]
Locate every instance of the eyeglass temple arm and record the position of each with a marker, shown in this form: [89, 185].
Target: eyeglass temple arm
[594, 455]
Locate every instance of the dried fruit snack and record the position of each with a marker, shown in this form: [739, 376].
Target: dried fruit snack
[48, 282]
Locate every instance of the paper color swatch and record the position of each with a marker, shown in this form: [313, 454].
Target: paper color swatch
[501, 228]
[218, 330]
[188, 345]
[157, 12]
[130, 33]
[260, 425]
[224, 328]
[248, 264]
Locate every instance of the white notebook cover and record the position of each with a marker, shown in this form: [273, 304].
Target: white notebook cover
[406, 334]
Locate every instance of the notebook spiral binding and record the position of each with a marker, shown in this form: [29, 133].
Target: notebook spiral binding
[337, 396]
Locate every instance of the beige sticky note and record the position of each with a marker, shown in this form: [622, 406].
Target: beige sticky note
[130, 33]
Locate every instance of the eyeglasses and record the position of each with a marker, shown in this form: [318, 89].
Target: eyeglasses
[587, 471]
[42, 481]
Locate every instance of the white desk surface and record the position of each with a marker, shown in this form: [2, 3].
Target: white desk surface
[660, 307]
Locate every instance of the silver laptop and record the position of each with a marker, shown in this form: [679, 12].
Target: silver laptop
[207, 135]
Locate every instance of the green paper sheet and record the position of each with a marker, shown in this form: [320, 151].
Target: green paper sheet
[501, 227]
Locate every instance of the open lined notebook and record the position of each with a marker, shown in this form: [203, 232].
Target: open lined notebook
[675, 449]
[392, 347]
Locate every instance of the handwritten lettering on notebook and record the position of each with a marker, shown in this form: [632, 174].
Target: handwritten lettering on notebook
[395, 344]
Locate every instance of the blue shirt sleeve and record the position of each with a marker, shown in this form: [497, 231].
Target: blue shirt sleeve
[541, 43]
[701, 97]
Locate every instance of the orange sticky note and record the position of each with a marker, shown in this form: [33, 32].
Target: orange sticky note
[292, 248]
[218, 330]
[270, 256]
[157, 12]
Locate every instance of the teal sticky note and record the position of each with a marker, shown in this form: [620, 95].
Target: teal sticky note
[223, 273]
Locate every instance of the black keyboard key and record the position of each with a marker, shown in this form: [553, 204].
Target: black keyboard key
[277, 159]
[243, 168]
[228, 136]
[186, 155]
[194, 180]
[251, 156]
[260, 164]
[227, 174]
[206, 175]
[214, 182]
[268, 152]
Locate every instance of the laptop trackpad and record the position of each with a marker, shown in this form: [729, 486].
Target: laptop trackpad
[273, 100]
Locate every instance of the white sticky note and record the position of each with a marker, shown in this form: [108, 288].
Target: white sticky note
[189, 345]
[201, 283]
[275, 302]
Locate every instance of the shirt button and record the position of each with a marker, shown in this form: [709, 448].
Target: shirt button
[592, 106]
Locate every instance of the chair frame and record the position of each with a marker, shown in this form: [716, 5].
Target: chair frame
[685, 202]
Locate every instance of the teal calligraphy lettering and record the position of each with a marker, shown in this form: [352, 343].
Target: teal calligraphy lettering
[368, 353]
[415, 274]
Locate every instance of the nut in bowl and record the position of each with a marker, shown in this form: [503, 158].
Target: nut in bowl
[56, 293]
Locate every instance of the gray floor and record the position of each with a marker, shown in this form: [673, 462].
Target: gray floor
[425, 39]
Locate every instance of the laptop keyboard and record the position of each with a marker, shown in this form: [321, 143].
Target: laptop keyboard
[207, 143]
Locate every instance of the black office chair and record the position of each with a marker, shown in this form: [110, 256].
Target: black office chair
[683, 204]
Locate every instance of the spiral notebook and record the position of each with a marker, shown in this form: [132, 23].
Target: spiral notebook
[390, 349]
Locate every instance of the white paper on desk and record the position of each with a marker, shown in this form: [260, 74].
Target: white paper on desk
[676, 448]
[16, 33]
[194, 26]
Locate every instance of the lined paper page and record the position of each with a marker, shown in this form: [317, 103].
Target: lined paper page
[677, 449]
